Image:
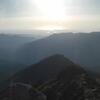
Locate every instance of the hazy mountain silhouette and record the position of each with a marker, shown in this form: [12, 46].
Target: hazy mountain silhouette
[81, 48]
[9, 43]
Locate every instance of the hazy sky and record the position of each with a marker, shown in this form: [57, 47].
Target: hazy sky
[75, 15]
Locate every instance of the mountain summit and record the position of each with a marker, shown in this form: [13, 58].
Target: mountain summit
[44, 70]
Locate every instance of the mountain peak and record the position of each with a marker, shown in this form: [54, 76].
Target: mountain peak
[57, 56]
[55, 60]
[45, 69]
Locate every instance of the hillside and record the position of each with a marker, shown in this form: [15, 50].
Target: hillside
[44, 70]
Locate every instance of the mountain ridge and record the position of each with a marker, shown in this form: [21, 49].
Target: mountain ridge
[74, 46]
[45, 69]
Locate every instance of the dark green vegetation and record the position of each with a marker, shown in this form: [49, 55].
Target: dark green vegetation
[54, 78]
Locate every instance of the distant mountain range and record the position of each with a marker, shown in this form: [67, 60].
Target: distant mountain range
[54, 78]
[9, 43]
[81, 48]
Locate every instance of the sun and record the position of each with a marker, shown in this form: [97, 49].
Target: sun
[51, 9]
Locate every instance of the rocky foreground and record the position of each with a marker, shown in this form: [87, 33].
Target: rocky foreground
[72, 83]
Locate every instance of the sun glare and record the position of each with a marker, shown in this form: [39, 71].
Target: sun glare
[51, 27]
[51, 9]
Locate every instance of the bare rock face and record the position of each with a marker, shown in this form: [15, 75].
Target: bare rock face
[79, 88]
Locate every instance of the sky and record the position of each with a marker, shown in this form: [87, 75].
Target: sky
[72, 15]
